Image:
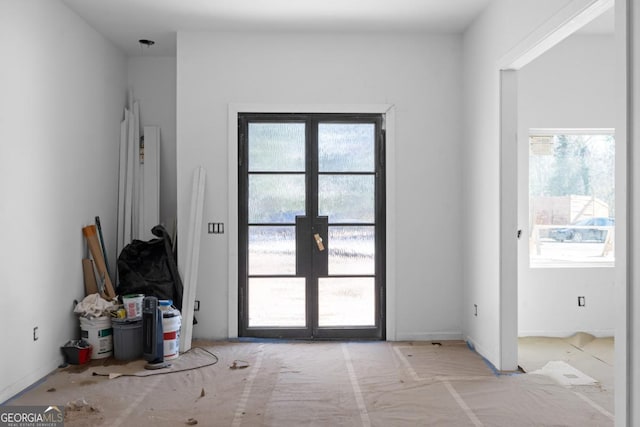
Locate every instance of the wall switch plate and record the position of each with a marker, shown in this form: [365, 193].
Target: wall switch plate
[196, 305]
[215, 227]
[475, 310]
[580, 301]
[35, 333]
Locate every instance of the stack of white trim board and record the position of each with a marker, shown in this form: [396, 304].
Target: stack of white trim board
[139, 178]
[138, 200]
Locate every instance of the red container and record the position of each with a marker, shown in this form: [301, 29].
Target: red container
[77, 352]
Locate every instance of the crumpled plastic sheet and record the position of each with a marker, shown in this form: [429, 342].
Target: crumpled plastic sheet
[93, 306]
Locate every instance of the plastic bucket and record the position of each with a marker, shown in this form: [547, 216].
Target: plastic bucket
[99, 334]
[77, 352]
[133, 305]
[127, 339]
[171, 322]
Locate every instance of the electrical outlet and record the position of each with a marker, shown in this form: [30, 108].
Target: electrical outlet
[35, 333]
[580, 301]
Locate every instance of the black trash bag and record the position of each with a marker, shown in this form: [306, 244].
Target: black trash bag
[149, 268]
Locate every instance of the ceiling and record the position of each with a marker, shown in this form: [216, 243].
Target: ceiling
[124, 22]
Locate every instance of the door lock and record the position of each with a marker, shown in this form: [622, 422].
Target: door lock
[319, 242]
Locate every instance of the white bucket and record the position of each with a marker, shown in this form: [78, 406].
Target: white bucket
[99, 334]
[171, 333]
[133, 305]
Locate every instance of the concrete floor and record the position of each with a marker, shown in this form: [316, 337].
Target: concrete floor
[268, 383]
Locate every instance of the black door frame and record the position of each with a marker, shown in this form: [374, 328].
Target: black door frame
[312, 331]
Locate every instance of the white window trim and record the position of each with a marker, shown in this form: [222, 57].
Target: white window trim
[571, 131]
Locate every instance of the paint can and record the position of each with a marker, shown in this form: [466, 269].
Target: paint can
[99, 334]
[171, 322]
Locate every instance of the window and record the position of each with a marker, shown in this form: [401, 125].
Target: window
[571, 198]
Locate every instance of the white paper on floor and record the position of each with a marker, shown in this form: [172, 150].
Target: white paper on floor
[565, 374]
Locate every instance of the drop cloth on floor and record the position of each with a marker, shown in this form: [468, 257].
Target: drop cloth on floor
[317, 384]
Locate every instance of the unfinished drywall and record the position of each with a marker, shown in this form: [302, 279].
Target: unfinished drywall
[570, 86]
[492, 35]
[153, 81]
[419, 74]
[63, 90]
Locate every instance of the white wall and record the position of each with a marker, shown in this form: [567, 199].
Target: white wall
[419, 74]
[499, 29]
[63, 90]
[570, 86]
[153, 80]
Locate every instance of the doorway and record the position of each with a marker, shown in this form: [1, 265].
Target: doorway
[576, 15]
[564, 23]
[311, 226]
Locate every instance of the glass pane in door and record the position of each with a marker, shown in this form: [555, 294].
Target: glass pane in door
[347, 198]
[346, 301]
[272, 250]
[352, 250]
[277, 302]
[346, 147]
[276, 147]
[276, 198]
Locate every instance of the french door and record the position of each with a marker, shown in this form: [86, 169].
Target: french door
[311, 226]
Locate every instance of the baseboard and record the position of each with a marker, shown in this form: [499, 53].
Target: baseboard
[428, 336]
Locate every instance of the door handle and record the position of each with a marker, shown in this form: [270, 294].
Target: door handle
[319, 243]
